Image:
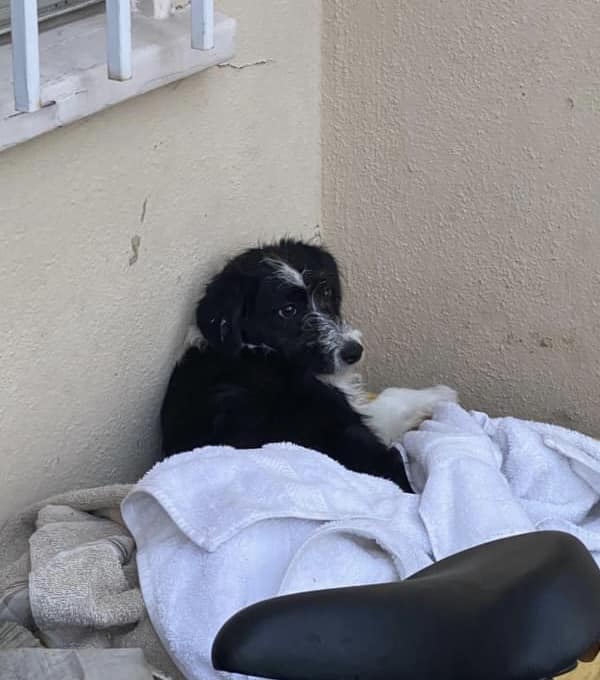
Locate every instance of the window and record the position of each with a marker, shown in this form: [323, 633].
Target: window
[99, 54]
[50, 9]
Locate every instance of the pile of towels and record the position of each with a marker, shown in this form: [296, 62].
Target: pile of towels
[133, 583]
[219, 529]
[70, 603]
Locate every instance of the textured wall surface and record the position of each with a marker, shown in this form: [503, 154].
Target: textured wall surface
[461, 191]
[195, 171]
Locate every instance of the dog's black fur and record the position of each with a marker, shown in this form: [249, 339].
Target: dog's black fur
[272, 329]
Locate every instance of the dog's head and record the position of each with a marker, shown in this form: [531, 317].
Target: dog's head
[282, 299]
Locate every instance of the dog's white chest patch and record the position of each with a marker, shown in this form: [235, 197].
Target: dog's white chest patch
[351, 384]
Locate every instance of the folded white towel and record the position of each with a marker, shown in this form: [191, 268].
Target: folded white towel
[483, 478]
[220, 528]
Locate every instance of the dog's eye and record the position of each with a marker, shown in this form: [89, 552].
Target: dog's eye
[287, 312]
[326, 292]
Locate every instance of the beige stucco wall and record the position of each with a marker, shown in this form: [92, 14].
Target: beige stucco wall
[86, 339]
[461, 172]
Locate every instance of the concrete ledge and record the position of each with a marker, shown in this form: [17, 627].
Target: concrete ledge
[74, 73]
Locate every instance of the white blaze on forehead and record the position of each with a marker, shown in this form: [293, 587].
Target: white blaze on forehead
[286, 273]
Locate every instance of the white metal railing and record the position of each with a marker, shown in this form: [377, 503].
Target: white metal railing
[26, 52]
[118, 39]
[203, 24]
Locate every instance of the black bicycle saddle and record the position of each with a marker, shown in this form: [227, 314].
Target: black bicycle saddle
[520, 608]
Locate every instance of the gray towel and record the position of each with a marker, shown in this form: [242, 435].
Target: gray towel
[14, 636]
[74, 664]
[77, 581]
[68, 574]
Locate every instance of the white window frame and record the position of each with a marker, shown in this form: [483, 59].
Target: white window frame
[71, 71]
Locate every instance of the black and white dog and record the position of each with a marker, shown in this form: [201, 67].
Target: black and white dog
[272, 363]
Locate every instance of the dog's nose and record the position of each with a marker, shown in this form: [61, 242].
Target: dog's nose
[351, 352]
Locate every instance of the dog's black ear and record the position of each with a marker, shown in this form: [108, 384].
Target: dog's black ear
[219, 312]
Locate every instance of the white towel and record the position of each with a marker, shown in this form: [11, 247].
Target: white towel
[483, 478]
[218, 529]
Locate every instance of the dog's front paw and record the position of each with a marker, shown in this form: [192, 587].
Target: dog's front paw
[423, 400]
[430, 397]
[397, 410]
[440, 393]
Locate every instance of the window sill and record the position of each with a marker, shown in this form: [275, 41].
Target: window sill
[73, 69]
